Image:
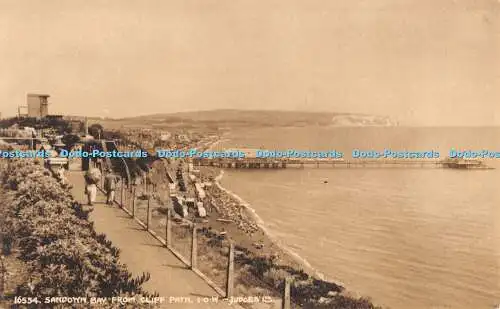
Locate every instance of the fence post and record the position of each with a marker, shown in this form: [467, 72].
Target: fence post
[285, 302]
[148, 214]
[133, 202]
[194, 248]
[168, 230]
[102, 175]
[128, 196]
[3, 270]
[122, 188]
[230, 272]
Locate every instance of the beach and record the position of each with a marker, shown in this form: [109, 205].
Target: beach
[262, 261]
[254, 217]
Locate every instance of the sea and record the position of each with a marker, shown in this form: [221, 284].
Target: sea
[408, 238]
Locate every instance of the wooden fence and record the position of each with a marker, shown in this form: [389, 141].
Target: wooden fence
[138, 202]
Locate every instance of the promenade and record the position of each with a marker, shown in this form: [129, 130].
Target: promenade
[170, 278]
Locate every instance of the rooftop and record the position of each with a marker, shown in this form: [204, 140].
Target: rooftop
[38, 95]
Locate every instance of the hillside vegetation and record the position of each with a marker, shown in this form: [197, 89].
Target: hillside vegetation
[48, 235]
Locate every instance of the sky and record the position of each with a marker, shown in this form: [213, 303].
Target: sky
[421, 62]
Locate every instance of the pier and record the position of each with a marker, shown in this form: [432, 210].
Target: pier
[265, 163]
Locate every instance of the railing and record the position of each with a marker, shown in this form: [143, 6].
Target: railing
[181, 237]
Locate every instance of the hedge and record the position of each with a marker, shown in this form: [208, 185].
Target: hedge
[63, 253]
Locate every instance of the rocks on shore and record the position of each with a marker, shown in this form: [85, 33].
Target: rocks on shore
[231, 209]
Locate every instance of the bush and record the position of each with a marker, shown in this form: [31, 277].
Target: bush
[306, 291]
[63, 253]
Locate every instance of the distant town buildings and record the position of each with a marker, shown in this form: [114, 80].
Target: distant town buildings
[151, 139]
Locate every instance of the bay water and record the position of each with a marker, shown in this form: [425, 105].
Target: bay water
[409, 238]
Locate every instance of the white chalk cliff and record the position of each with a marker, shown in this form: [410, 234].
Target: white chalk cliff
[353, 120]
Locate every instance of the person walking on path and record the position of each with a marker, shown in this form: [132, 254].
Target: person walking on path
[91, 179]
[62, 177]
[110, 182]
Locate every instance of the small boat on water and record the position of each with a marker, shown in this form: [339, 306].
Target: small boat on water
[458, 163]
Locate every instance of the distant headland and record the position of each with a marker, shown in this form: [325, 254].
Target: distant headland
[257, 118]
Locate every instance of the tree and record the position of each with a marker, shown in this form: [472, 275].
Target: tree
[96, 130]
[70, 140]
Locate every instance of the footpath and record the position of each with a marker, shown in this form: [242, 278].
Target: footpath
[170, 278]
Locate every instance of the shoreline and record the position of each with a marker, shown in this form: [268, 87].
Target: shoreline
[265, 261]
[261, 224]
[252, 213]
